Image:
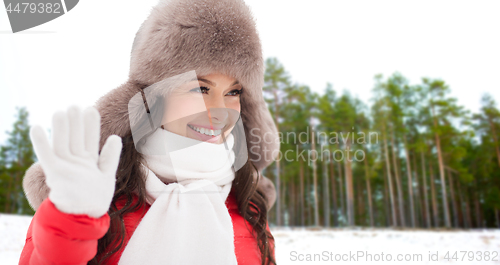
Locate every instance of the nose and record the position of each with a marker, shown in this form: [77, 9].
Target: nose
[217, 111]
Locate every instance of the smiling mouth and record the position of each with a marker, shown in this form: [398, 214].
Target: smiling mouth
[205, 131]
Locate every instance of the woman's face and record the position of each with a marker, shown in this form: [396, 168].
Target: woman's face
[203, 109]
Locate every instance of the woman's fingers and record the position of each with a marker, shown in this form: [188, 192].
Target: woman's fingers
[76, 131]
[110, 155]
[92, 123]
[60, 134]
[42, 146]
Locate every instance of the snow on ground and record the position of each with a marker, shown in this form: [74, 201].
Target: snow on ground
[410, 246]
[13, 230]
[335, 246]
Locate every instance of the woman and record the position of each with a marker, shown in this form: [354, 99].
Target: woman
[90, 217]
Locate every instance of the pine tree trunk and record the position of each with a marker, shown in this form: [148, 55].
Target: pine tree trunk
[309, 218]
[387, 206]
[315, 180]
[468, 207]
[460, 210]
[349, 188]
[398, 182]
[326, 195]
[435, 213]
[462, 204]
[15, 192]
[389, 181]
[497, 217]
[368, 190]
[302, 195]
[278, 196]
[359, 200]
[441, 172]
[477, 205]
[495, 139]
[418, 194]
[453, 199]
[341, 188]
[278, 185]
[410, 182]
[334, 193]
[426, 196]
[284, 204]
[478, 210]
[293, 204]
[8, 199]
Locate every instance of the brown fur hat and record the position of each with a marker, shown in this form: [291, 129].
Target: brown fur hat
[207, 36]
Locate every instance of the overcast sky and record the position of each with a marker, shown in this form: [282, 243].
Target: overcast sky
[77, 58]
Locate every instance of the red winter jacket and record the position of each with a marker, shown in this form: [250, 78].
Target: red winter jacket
[55, 237]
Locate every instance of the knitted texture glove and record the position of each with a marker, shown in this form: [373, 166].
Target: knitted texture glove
[81, 180]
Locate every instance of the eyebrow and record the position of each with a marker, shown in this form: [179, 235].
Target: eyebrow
[212, 83]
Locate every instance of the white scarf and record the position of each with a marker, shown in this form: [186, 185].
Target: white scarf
[188, 222]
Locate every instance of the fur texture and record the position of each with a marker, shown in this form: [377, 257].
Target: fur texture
[208, 36]
[34, 185]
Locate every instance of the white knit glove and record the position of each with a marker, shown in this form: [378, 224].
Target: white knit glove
[80, 180]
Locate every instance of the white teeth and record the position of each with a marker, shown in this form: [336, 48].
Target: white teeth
[206, 131]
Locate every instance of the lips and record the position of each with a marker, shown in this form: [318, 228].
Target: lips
[206, 131]
[204, 137]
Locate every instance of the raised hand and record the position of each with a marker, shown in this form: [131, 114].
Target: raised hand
[80, 180]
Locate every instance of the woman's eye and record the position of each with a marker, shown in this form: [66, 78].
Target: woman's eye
[235, 92]
[199, 89]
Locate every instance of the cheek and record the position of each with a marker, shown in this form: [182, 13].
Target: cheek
[234, 114]
[234, 104]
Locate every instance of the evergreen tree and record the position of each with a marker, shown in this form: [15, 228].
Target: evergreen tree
[275, 81]
[16, 156]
